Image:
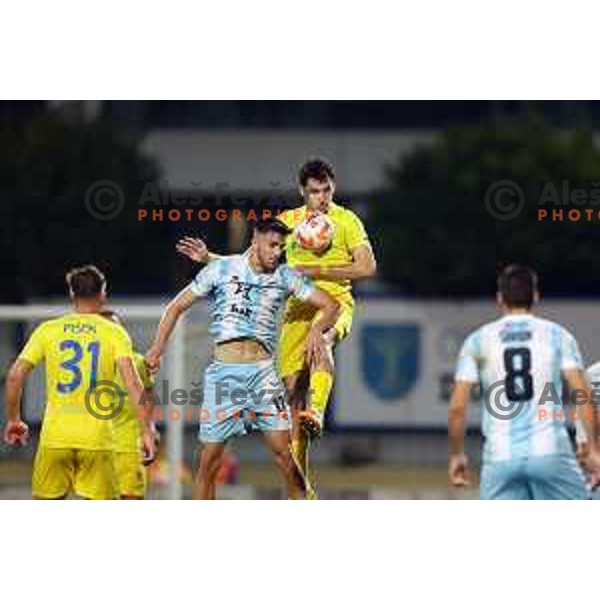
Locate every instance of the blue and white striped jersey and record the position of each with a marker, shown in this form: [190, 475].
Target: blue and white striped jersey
[518, 361]
[246, 304]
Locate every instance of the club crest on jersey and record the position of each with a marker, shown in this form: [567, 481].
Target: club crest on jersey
[390, 359]
[241, 288]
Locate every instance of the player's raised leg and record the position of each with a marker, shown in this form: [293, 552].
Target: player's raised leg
[297, 387]
[308, 380]
[321, 370]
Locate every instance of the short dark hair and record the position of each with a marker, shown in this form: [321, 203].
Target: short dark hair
[272, 224]
[315, 168]
[517, 284]
[85, 282]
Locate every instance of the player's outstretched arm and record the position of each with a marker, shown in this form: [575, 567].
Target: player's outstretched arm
[167, 323]
[195, 249]
[458, 464]
[16, 432]
[135, 389]
[363, 266]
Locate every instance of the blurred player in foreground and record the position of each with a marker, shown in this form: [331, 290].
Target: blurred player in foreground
[527, 453]
[348, 258]
[81, 350]
[130, 469]
[242, 390]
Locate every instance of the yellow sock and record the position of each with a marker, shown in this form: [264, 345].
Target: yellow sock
[300, 450]
[321, 383]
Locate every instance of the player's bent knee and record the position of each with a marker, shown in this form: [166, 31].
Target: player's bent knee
[325, 363]
[210, 465]
[292, 382]
[322, 365]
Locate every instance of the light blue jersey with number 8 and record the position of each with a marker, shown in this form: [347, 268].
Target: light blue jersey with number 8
[518, 361]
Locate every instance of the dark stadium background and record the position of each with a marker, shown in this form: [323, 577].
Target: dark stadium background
[416, 171]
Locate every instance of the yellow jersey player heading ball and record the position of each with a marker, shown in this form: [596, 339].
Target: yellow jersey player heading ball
[347, 258]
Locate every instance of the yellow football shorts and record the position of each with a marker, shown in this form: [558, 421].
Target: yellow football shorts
[88, 473]
[131, 474]
[297, 321]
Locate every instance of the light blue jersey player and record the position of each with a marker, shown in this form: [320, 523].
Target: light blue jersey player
[519, 361]
[242, 391]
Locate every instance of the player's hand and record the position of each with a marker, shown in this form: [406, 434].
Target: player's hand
[152, 359]
[312, 272]
[149, 443]
[458, 470]
[194, 248]
[316, 350]
[16, 433]
[591, 464]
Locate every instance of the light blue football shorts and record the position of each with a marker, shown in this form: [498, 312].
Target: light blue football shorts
[552, 477]
[241, 398]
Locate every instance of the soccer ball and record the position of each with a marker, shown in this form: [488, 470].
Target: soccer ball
[315, 232]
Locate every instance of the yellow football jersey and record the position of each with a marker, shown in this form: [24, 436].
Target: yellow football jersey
[349, 233]
[79, 350]
[126, 423]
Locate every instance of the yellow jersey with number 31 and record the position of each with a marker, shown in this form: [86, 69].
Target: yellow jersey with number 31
[349, 233]
[79, 350]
